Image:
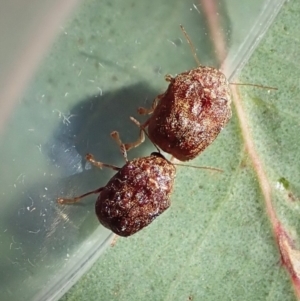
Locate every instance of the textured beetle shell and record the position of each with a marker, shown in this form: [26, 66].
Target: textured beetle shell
[136, 195]
[191, 113]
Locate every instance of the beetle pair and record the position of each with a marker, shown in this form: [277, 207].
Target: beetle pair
[138, 193]
[185, 120]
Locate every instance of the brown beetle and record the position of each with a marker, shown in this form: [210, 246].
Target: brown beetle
[138, 193]
[191, 113]
[189, 116]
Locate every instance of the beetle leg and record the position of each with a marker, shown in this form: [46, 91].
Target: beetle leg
[78, 198]
[141, 138]
[91, 159]
[169, 78]
[144, 111]
[114, 240]
[115, 135]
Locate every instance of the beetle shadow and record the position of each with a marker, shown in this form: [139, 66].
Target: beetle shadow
[90, 123]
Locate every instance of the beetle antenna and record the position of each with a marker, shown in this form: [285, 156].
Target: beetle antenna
[254, 85]
[200, 167]
[191, 45]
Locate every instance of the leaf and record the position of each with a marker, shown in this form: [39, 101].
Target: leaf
[224, 237]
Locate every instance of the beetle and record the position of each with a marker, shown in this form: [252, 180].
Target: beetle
[191, 113]
[188, 117]
[137, 194]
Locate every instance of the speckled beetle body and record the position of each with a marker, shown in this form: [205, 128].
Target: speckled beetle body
[136, 195]
[191, 113]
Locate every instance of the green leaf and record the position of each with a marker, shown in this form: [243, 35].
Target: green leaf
[227, 236]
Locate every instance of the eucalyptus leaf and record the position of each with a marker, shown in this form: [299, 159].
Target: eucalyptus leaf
[227, 236]
[216, 242]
